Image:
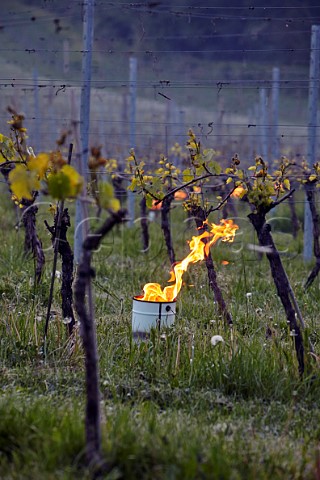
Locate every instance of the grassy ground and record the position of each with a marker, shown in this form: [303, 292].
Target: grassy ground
[174, 407]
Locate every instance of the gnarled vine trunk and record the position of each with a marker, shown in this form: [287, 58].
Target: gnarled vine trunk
[89, 337]
[311, 193]
[263, 230]
[200, 217]
[66, 254]
[32, 243]
[144, 224]
[165, 225]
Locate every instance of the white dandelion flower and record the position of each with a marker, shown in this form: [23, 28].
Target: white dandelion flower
[216, 339]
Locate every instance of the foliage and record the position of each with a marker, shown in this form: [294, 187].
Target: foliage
[161, 413]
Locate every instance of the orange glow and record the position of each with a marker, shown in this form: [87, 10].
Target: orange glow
[180, 195]
[198, 250]
[224, 262]
[156, 206]
[238, 192]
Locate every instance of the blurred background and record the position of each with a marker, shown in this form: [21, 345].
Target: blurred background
[236, 72]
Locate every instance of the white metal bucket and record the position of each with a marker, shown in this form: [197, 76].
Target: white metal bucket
[147, 315]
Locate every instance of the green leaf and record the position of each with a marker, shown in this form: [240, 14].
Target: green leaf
[187, 175]
[148, 201]
[200, 171]
[65, 183]
[107, 199]
[59, 185]
[215, 167]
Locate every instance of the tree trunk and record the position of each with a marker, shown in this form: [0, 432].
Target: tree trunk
[199, 217]
[144, 224]
[66, 254]
[280, 279]
[165, 225]
[311, 193]
[32, 243]
[89, 337]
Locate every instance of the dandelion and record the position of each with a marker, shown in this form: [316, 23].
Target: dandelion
[216, 339]
[67, 320]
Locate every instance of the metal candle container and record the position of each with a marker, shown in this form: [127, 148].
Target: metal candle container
[147, 315]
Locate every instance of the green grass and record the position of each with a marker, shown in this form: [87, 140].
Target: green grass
[174, 407]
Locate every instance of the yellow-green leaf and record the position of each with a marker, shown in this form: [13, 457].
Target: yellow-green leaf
[312, 177]
[107, 199]
[286, 183]
[187, 175]
[59, 186]
[115, 204]
[39, 164]
[229, 180]
[7, 150]
[215, 167]
[148, 201]
[76, 181]
[23, 182]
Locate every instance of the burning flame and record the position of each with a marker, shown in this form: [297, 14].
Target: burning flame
[180, 195]
[238, 192]
[198, 250]
[156, 205]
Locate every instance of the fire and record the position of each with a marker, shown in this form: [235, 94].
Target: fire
[198, 250]
[156, 205]
[238, 192]
[180, 195]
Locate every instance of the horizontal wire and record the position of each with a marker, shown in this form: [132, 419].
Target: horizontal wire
[162, 83]
[169, 124]
[164, 91]
[154, 51]
[219, 135]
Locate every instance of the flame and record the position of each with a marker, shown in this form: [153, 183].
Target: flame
[198, 250]
[180, 195]
[155, 205]
[238, 192]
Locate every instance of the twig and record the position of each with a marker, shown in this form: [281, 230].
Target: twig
[282, 199]
[223, 201]
[195, 180]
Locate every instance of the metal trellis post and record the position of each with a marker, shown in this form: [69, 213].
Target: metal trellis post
[80, 220]
[312, 131]
[275, 114]
[132, 133]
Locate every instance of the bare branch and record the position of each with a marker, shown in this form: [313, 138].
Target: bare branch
[223, 201]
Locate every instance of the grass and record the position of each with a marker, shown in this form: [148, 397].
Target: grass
[174, 407]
